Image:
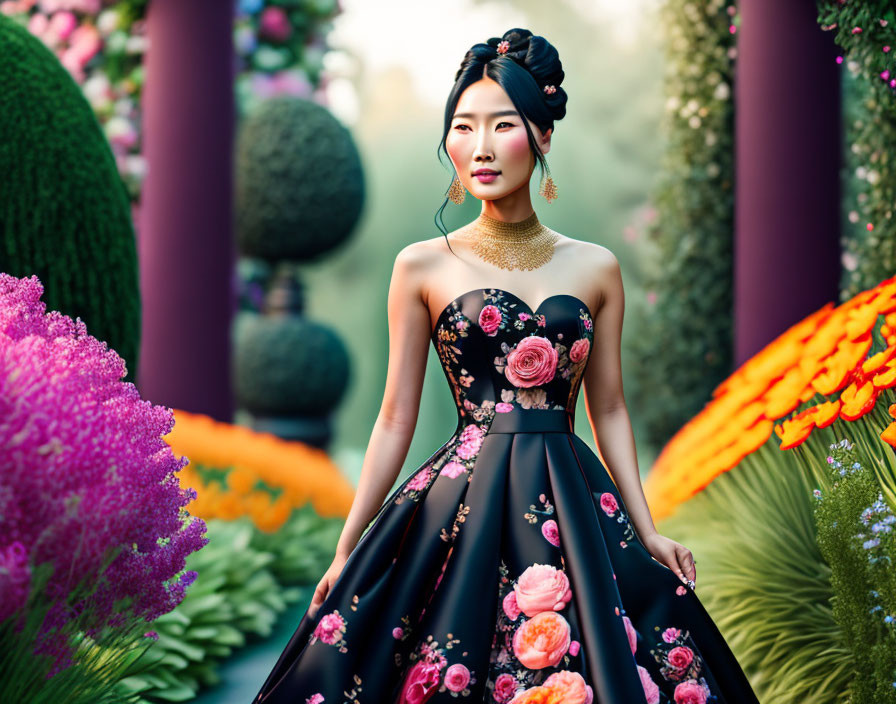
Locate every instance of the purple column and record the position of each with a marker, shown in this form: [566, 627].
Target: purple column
[186, 246]
[788, 153]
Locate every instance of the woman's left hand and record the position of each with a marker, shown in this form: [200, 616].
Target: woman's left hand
[674, 555]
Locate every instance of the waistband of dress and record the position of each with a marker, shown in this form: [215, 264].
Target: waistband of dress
[532, 420]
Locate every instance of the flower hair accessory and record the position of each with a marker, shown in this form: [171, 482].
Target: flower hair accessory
[503, 46]
[550, 89]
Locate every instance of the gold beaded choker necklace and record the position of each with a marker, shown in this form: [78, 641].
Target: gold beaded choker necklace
[526, 244]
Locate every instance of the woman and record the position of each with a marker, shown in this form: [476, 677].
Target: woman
[506, 568]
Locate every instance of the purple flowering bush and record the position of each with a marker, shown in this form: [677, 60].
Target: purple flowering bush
[87, 482]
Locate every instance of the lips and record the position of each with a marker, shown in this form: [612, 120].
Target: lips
[477, 172]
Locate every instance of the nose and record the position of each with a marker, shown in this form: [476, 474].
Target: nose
[483, 151]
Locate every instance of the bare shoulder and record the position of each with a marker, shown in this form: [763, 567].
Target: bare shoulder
[592, 262]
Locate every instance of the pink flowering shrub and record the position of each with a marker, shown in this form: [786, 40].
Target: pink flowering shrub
[87, 482]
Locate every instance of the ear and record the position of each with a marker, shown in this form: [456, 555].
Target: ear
[546, 141]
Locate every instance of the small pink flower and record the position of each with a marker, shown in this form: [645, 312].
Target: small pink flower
[471, 441]
[608, 503]
[690, 692]
[651, 690]
[631, 633]
[550, 531]
[532, 362]
[670, 635]
[574, 647]
[523, 316]
[680, 590]
[681, 657]
[505, 688]
[588, 323]
[490, 320]
[397, 632]
[457, 677]
[274, 24]
[453, 469]
[330, 628]
[317, 698]
[503, 407]
[579, 350]
[419, 481]
[62, 24]
[510, 606]
[550, 89]
[503, 46]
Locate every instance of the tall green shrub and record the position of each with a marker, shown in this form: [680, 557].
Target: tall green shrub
[64, 211]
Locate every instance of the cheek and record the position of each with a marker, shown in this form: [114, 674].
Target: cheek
[516, 147]
[456, 149]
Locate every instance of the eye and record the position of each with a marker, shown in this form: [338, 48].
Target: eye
[509, 124]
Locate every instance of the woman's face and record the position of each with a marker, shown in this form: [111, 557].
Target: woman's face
[488, 133]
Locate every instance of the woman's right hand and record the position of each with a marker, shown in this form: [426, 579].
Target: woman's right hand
[326, 582]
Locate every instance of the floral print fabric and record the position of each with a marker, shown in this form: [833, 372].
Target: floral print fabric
[504, 569]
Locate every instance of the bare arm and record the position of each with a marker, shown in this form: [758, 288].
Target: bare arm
[604, 398]
[394, 427]
[610, 420]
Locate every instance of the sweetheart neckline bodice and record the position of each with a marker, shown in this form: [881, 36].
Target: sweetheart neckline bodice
[534, 311]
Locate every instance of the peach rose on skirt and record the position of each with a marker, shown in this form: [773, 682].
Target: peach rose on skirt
[490, 320]
[570, 685]
[542, 588]
[531, 363]
[542, 640]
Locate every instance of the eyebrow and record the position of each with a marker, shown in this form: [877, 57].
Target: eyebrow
[494, 114]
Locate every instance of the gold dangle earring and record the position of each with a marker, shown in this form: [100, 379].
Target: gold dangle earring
[456, 192]
[548, 189]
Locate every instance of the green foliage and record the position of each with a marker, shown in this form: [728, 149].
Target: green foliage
[857, 536]
[762, 577]
[246, 579]
[870, 175]
[287, 364]
[691, 271]
[97, 661]
[299, 181]
[64, 211]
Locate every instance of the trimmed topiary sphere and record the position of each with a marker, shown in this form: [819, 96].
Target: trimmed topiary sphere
[288, 365]
[65, 215]
[299, 181]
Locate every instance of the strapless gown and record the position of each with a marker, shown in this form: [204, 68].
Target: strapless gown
[505, 567]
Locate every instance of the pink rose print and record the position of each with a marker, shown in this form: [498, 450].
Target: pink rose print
[453, 469]
[531, 363]
[503, 407]
[523, 316]
[542, 588]
[550, 531]
[569, 685]
[316, 698]
[505, 688]
[690, 692]
[470, 442]
[542, 641]
[651, 689]
[490, 320]
[574, 647]
[680, 657]
[579, 350]
[397, 632]
[421, 682]
[590, 693]
[419, 481]
[511, 608]
[608, 503]
[631, 633]
[680, 590]
[330, 628]
[588, 323]
[670, 635]
[457, 677]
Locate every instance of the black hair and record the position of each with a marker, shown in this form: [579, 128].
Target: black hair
[530, 63]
